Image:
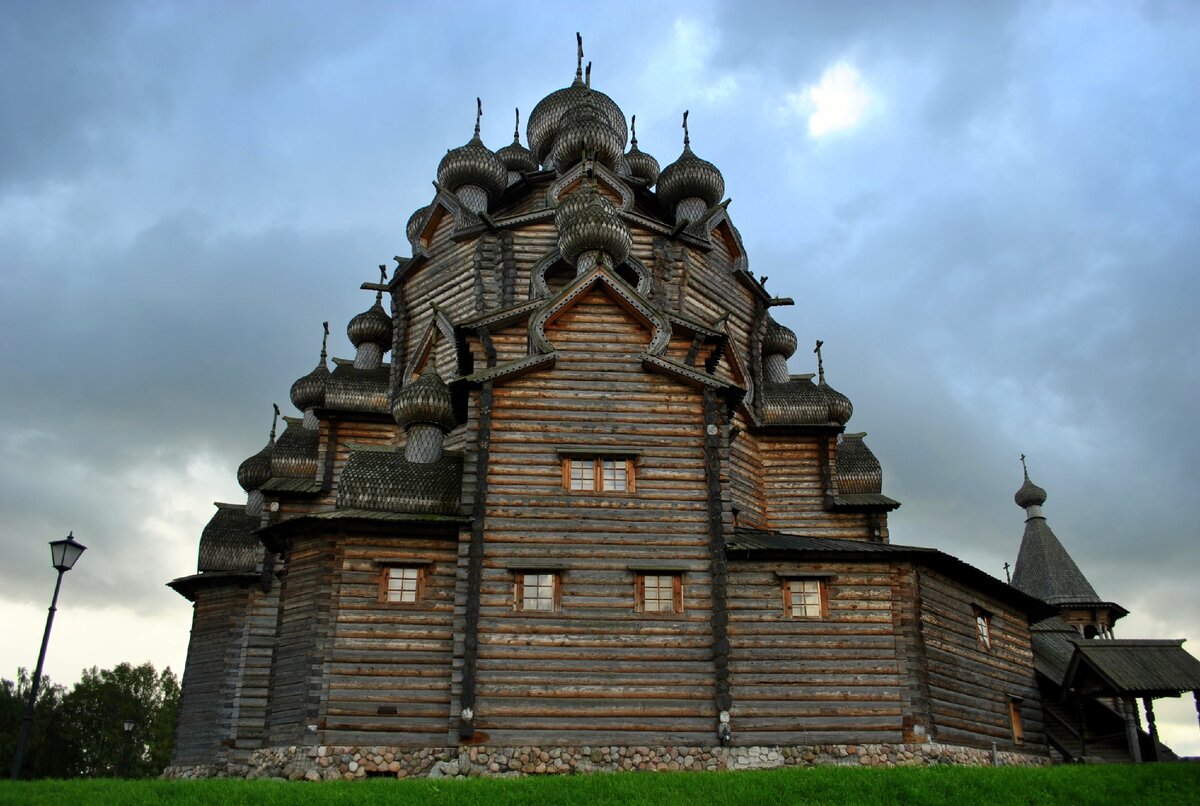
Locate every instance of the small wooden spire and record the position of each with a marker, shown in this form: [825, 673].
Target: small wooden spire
[820, 363]
[478, 114]
[687, 142]
[578, 56]
[274, 421]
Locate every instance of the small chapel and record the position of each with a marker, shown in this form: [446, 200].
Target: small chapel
[567, 508]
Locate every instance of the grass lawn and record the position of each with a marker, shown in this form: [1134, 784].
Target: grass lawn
[1118, 784]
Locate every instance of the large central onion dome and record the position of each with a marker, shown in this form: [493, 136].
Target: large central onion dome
[688, 178]
[638, 163]
[584, 130]
[543, 125]
[308, 392]
[517, 158]
[473, 172]
[594, 229]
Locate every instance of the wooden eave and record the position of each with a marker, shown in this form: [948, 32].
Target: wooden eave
[512, 369]
[276, 535]
[798, 430]
[189, 585]
[356, 415]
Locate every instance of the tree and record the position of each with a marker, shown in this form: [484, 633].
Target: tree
[81, 733]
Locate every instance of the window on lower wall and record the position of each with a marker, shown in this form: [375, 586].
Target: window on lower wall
[983, 627]
[402, 583]
[660, 593]
[805, 598]
[607, 474]
[536, 591]
[1014, 715]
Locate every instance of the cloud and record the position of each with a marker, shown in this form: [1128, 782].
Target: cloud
[837, 102]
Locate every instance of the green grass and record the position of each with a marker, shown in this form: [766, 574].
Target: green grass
[1118, 784]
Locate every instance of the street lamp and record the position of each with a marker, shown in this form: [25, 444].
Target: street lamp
[129, 725]
[63, 554]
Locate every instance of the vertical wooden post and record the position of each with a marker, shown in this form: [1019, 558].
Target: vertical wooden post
[1148, 703]
[1131, 730]
[1196, 695]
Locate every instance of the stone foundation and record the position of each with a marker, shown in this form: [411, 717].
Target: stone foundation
[331, 763]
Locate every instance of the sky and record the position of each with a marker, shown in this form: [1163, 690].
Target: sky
[986, 210]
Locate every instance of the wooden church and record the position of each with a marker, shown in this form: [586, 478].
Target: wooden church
[584, 518]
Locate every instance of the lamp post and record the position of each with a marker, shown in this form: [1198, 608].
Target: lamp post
[63, 554]
[128, 725]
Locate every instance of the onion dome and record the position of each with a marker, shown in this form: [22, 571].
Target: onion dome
[594, 228]
[416, 223]
[425, 400]
[690, 177]
[584, 130]
[308, 392]
[778, 340]
[256, 470]
[543, 124]
[1030, 494]
[473, 164]
[372, 326]
[516, 157]
[638, 163]
[840, 407]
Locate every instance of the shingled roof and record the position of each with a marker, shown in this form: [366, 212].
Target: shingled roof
[381, 479]
[1044, 568]
[1139, 667]
[228, 542]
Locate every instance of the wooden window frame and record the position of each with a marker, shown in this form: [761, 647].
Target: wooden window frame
[983, 621]
[597, 461]
[1014, 716]
[385, 575]
[822, 594]
[519, 589]
[639, 589]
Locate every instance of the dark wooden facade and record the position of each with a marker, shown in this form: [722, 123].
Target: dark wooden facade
[666, 359]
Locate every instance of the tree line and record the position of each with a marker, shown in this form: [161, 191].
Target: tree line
[81, 732]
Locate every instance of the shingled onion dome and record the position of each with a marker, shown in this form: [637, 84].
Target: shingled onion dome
[371, 332]
[543, 125]
[638, 163]
[778, 345]
[416, 223]
[472, 172]
[425, 411]
[308, 392]
[1030, 495]
[255, 471]
[689, 185]
[840, 407]
[584, 131]
[517, 158]
[593, 234]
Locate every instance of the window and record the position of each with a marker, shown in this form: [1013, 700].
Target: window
[608, 474]
[401, 583]
[1014, 715]
[804, 598]
[660, 593]
[983, 627]
[536, 591]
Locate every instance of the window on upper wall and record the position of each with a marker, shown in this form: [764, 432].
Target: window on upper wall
[606, 474]
[805, 598]
[983, 627]
[402, 584]
[660, 593]
[536, 591]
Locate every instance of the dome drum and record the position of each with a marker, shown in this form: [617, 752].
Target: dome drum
[423, 443]
[690, 209]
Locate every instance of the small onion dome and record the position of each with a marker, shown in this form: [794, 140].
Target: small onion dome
[372, 326]
[840, 407]
[543, 124]
[515, 156]
[571, 206]
[1030, 494]
[254, 472]
[688, 177]
[473, 164]
[308, 392]
[425, 400]
[778, 340]
[594, 228]
[416, 223]
[637, 162]
[584, 129]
